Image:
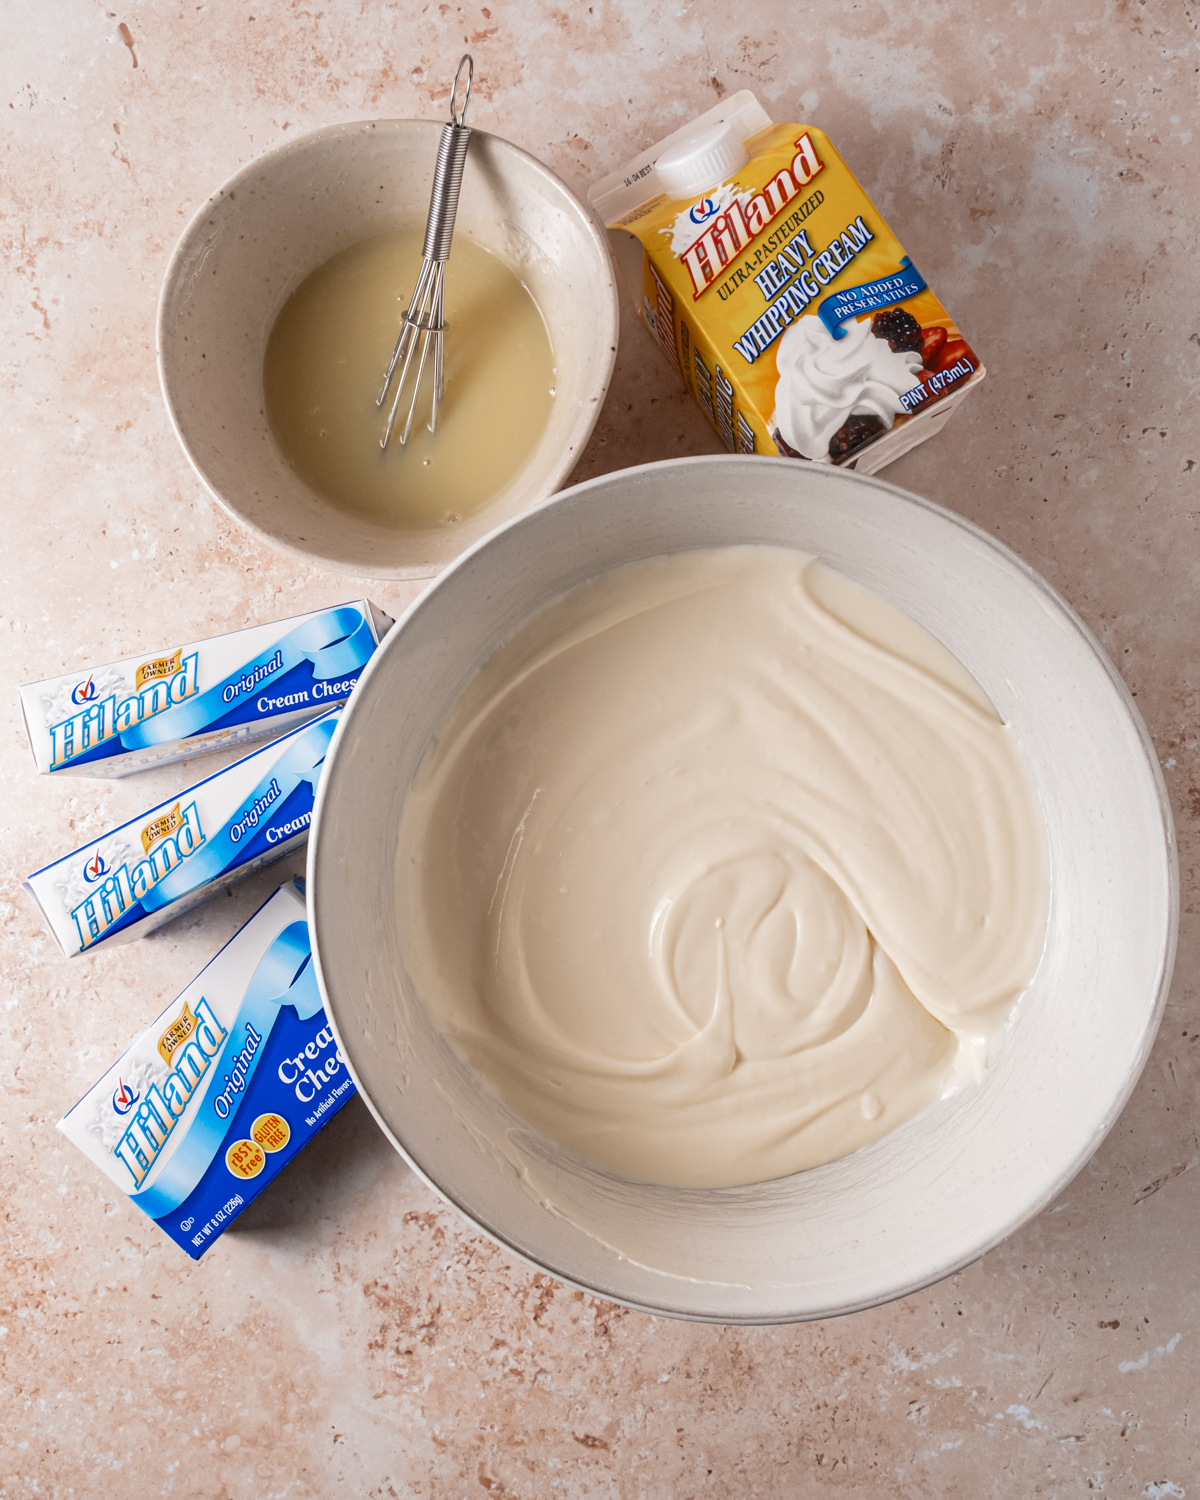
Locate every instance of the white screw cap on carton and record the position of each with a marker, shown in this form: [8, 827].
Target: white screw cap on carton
[702, 162]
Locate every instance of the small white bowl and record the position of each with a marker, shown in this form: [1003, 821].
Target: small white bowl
[276, 221]
[936, 1193]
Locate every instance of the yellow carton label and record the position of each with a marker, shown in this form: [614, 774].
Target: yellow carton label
[790, 308]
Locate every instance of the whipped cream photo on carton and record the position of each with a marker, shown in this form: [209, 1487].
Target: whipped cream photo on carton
[187, 700]
[216, 1097]
[158, 865]
[775, 288]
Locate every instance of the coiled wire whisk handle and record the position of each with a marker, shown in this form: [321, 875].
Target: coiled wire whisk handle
[443, 199]
[447, 176]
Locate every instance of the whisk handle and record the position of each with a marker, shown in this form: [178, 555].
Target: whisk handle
[443, 199]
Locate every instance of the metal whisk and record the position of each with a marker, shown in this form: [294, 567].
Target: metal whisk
[424, 315]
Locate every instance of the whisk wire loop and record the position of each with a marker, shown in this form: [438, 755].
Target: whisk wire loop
[459, 115]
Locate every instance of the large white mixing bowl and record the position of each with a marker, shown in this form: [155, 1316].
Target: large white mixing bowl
[936, 1193]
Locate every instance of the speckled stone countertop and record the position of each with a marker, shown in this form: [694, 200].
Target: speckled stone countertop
[351, 1336]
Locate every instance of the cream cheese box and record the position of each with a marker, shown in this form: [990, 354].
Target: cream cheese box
[158, 865]
[213, 1100]
[186, 700]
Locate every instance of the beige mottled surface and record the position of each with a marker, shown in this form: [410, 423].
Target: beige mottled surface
[350, 1336]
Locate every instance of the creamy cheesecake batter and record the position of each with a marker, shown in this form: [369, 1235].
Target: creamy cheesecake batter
[722, 868]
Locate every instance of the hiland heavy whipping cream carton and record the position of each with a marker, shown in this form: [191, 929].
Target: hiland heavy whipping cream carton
[176, 703]
[775, 288]
[140, 875]
[216, 1097]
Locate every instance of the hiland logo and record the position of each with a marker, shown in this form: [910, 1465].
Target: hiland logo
[118, 891]
[95, 868]
[166, 1101]
[124, 1097]
[83, 692]
[100, 722]
[731, 231]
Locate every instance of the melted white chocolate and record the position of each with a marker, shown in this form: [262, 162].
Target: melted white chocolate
[324, 366]
[722, 868]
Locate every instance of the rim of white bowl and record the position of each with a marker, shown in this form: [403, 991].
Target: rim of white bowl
[195, 224]
[1137, 1059]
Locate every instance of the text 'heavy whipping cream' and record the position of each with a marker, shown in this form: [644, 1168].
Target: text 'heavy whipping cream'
[722, 868]
[774, 286]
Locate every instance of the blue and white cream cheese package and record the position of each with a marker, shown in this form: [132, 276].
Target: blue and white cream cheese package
[186, 700]
[217, 1096]
[140, 875]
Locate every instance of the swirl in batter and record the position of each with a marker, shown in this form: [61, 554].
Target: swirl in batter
[722, 868]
